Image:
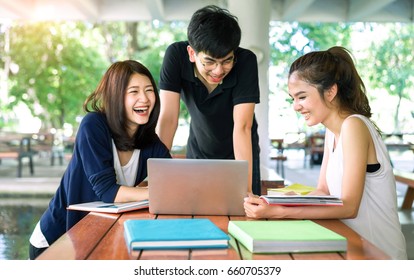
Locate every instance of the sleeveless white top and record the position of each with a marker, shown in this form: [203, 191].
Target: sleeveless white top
[377, 219]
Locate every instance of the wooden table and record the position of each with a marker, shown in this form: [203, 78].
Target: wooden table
[101, 236]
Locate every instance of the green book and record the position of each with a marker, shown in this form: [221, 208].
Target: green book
[286, 236]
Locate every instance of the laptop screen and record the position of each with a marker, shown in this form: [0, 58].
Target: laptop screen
[197, 186]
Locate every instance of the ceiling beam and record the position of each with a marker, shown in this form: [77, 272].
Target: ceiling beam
[295, 8]
[358, 10]
[20, 9]
[156, 8]
[412, 12]
[89, 8]
[166, 10]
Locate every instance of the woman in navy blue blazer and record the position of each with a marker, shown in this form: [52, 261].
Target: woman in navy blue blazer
[113, 143]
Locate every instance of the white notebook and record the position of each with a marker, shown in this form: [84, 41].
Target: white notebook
[99, 206]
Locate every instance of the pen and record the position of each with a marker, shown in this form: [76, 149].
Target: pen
[108, 206]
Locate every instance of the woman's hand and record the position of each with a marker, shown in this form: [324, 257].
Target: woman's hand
[257, 208]
[127, 194]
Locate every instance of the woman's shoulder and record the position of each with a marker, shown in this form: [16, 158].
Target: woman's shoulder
[93, 117]
[357, 116]
[356, 128]
[354, 123]
[358, 122]
[94, 122]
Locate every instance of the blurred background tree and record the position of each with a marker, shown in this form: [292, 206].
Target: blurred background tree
[289, 41]
[390, 61]
[52, 66]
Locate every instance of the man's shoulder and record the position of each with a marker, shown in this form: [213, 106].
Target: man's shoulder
[176, 51]
[244, 52]
[245, 57]
[180, 45]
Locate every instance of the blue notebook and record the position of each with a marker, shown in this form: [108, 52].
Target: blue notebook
[173, 234]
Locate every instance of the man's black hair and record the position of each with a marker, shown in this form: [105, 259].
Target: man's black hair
[214, 30]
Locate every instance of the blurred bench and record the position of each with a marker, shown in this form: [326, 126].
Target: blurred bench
[312, 145]
[9, 150]
[46, 143]
[18, 146]
[406, 177]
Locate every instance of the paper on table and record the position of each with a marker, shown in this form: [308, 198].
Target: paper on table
[291, 189]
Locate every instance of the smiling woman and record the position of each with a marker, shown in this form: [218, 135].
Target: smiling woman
[326, 88]
[113, 143]
[139, 101]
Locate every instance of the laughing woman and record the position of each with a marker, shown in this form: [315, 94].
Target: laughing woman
[326, 88]
[114, 141]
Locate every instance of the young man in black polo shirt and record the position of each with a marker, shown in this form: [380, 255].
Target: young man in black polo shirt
[218, 82]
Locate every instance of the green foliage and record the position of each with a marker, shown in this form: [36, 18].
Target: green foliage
[60, 63]
[288, 41]
[159, 36]
[145, 42]
[58, 66]
[393, 60]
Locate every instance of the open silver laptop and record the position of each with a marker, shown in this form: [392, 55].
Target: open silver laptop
[197, 186]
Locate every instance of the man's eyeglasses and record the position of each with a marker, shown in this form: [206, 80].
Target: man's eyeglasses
[210, 65]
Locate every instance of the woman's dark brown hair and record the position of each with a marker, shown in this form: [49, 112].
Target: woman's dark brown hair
[108, 98]
[323, 69]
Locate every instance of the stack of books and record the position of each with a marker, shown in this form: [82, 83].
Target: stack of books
[303, 200]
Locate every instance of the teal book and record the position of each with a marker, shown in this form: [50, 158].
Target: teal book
[173, 234]
[286, 236]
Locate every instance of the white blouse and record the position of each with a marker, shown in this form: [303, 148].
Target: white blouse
[126, 175]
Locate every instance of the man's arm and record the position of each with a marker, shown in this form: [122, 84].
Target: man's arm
[168, 120]
[242, 135]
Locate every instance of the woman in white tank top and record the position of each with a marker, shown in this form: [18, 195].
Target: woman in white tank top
[326, 88]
